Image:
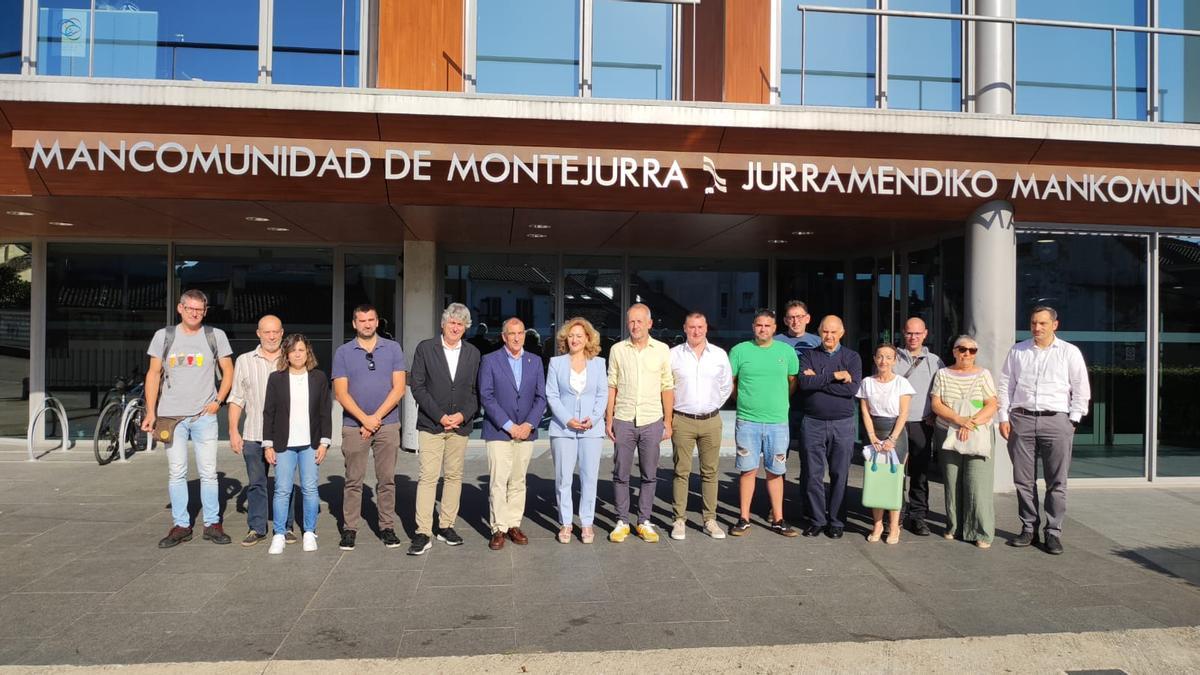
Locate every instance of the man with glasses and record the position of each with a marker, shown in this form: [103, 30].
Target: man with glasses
[249, 394]
[795, 333]
[1044, 392]
[368, 381]
[918, 365]
[181, 383]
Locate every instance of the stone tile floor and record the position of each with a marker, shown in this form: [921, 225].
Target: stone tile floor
[82, 582]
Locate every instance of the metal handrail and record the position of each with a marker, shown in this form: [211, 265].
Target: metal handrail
[1013, 22]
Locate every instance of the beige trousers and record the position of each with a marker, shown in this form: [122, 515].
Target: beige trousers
[441, 455]
[508, 462]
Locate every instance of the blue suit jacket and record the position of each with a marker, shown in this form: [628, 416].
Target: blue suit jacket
[566, 405]
[503, 402]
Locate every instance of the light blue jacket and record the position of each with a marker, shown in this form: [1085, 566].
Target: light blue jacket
[565, 405]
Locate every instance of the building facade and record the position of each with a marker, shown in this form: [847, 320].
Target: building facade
[957, 160]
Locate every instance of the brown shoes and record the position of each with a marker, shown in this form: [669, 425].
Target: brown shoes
[517, 536]
[497, 541]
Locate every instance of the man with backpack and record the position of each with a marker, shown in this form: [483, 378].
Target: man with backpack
[182, 400]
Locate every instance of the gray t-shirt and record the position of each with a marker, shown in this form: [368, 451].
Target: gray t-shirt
[190, 382]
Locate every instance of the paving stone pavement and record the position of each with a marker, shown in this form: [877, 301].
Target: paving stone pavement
[83, 582]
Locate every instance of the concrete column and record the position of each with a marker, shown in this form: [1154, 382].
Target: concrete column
[994, 77]
[991, 290]
[422, 306]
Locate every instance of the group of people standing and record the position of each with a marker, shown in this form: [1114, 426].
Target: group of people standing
[790, 388]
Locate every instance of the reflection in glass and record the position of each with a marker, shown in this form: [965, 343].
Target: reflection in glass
[150, 39]
[15, 262]
[631, 50]
[1179, 356]
[527, 47]
[1098, 286]
[11, 12]
[925, 57]
[316, 42]
[819, 284]
[372, 279]
[1179, 62]
[103, 304]
[496, 287]
[953, 297]
[860, 315]
[922, 287]
[592, 289]
[839, 57]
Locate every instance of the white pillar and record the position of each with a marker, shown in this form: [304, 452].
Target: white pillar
[991, 285]
[994, 77]
[422, 278]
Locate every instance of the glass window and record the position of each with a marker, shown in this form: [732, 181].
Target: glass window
[103, 304]
[372, 279]
[316, 42]
[150, 39]
[925, 57]
[819, 284]
[527, 47]
[496, 287]
[839, 57]
[922, 289]
[632, 49]
[1179, 62]
[953, 297]
[1098, 285]
[11, 19]
[592, 289]
[15, 262]
[860, 316]
[244, 283]
[1068, 71]
[1179, 357]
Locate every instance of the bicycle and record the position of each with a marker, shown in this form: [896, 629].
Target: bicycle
[120, 422]
[51, 409]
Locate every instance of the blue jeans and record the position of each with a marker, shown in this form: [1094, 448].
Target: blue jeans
[256, 488]
[761, 442]
[202, 432]
[285, 471]
[568, 451]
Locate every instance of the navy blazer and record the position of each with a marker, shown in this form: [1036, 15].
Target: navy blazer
[501, 399]
[565, 404]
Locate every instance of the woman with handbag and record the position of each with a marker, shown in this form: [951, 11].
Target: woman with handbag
[296, 433]
[885, 397]
[964, 400]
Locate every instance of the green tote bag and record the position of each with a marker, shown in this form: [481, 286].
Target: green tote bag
[883, 483]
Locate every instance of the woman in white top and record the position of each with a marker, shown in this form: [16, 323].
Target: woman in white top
[577, 391]
[296, 433]
[885, 397]
[970, 512]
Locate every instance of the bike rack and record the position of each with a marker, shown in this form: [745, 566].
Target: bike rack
[130, 408]
[62, 418]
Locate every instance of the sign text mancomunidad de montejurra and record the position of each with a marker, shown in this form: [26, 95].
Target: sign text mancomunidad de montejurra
[566, 168]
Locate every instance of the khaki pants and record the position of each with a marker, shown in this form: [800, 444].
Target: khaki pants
[687, 435]
[383, 444]
[441, 455]
[508, 462]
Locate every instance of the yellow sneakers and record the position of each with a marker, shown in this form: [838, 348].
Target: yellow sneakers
[647, 533]
[619, 533]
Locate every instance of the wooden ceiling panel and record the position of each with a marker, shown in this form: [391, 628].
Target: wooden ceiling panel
[892, 146]
[468, 225]
[370, 224]
[672, 231]
[549, 133]
[228, 219]
[577, 230]
[1106, 155]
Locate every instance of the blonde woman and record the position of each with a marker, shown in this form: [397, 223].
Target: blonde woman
[577, 392]
[970, 513]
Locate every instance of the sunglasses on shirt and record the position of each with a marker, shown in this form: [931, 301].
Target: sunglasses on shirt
[370, 361]
[967, 350]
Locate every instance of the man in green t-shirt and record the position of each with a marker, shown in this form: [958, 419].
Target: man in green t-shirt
[764, 377]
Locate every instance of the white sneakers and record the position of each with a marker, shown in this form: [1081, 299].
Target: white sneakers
[278, 543]
[712, 529]
[679, 530]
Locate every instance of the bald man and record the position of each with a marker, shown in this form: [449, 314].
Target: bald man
[829, 377]
[250, 373]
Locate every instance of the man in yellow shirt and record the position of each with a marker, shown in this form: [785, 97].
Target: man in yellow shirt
[641, 395]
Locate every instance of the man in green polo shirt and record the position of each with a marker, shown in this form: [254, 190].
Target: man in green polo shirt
[764, 376]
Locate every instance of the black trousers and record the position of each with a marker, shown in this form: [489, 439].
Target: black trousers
[920, 454]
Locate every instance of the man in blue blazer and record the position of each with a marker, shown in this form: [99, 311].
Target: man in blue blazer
[512, 389]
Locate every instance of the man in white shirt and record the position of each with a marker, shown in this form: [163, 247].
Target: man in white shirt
[703, 382]
[250, 373]
[1043, 393]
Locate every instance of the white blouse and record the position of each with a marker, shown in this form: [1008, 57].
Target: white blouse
[298, 432]
[578, 381]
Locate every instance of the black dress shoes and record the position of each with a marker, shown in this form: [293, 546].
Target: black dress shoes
[834, 532]
[1053, 545]
[812, 531]
[918, 527]
[1027, 538]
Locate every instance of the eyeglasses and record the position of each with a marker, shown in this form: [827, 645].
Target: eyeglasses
[795, 317]
[915, 333]
[195, 310]
[370, 361]
[967, 350]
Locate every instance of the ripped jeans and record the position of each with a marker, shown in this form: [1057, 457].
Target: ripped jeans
[760, 442]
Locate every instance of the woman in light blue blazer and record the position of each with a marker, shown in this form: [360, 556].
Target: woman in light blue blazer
[577, 391]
